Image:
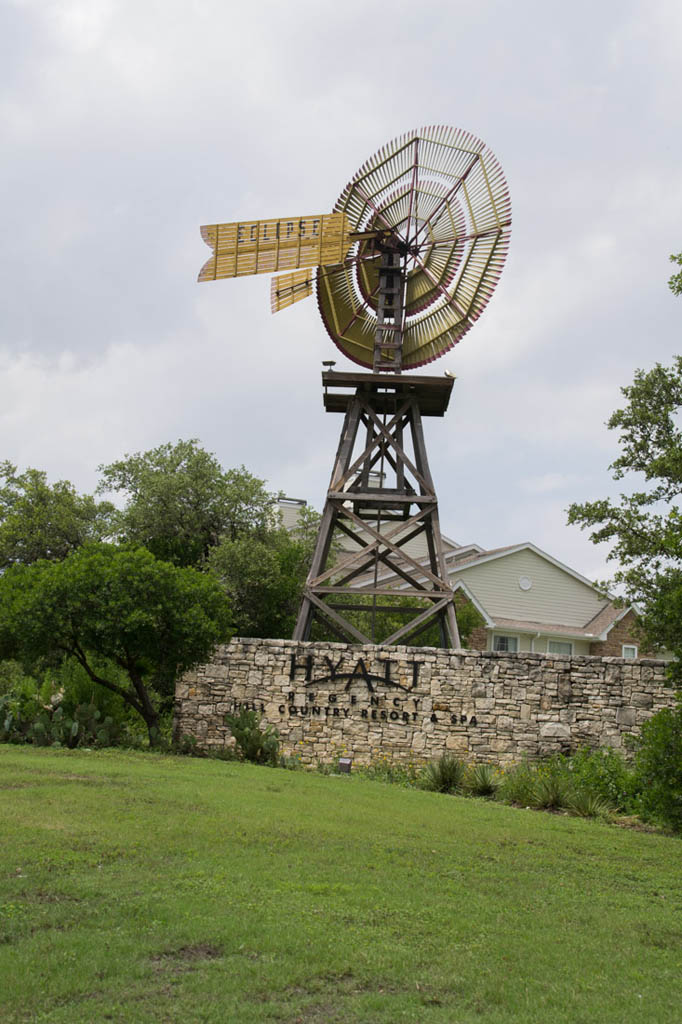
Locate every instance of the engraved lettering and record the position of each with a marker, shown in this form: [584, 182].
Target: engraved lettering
[333, 668]
[293, 666]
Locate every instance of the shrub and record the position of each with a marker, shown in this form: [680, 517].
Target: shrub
[446, 775]
[605, 773]
[383, 769]
[518, 785]
[550, 791]
[70, 686]
[24, 719]
[261, 746]
[290, 762]
[658, 767]
[13, 679]
[483, 780]
[187, 746]
[586, 803]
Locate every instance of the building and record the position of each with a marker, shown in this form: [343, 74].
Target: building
[530, 601]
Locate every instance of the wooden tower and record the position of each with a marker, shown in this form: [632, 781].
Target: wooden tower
[381, 498]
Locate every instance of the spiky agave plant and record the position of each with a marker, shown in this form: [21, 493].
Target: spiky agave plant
[446, 775]
[586, 803]
[483, 780]
[550, 792]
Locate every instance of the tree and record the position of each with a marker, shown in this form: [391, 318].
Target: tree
[41, 520]
[645, 526]
[675, 282]
[264, 574]
[116, 604]
[180, 501]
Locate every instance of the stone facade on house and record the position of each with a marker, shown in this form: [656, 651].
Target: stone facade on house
[478, 639]
[412, 703]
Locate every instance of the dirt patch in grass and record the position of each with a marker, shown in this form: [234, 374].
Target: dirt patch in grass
[329, 995]
[637, 825]
[41, 896]
[186, 957]
[334, 1009]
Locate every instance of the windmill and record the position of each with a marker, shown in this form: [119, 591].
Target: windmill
[402, 268]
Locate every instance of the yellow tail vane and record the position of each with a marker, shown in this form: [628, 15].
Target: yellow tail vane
[289, 288]
[267, 246]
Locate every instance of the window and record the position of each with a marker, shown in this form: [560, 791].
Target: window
[629, 650]
[510, 644]
[559, 647]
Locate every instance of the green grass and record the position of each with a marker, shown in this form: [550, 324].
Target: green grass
[136, 887]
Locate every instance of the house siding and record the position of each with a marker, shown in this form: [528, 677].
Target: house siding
[482, 637]
[555, 597]
[579, 646]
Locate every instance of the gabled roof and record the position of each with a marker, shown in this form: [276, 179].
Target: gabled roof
[606, 619]
[462, 553]
[545, 628]
[489, 556]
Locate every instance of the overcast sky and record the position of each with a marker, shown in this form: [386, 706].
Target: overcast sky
[125, 125]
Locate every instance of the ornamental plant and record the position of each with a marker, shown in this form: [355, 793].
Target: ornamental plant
[261, 746]
[658, 767]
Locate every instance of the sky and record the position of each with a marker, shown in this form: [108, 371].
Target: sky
[125, 125]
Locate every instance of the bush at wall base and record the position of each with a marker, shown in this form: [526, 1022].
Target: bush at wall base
[253, 743]
[658, 767]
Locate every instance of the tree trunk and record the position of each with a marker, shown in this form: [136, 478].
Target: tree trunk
[147, 709]
[151, 719]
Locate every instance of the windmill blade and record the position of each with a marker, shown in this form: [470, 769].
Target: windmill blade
[267, 246]
[289, 288]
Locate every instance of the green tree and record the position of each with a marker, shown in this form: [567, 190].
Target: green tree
[117, 604]
[41, 520]
[180, 502]
[675, 282]
[263, 574]
[645, 525]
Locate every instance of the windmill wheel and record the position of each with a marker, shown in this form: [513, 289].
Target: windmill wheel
[438, 199]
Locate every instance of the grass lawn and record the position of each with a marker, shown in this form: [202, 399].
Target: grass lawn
[138, 887]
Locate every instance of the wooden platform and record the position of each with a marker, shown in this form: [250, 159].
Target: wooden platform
[432, 393]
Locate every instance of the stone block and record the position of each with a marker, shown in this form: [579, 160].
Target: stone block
[626, 717]
[555, 731]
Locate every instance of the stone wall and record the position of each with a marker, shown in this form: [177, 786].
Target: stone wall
[329, 700]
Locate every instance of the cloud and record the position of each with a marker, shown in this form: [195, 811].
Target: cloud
[126, 125]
